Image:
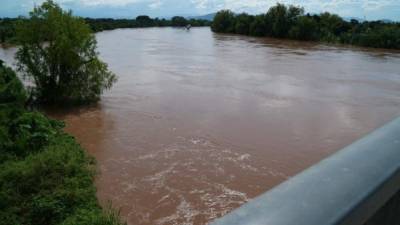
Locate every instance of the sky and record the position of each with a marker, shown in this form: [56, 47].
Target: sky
[369, 9]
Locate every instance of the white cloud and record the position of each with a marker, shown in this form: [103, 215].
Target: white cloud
[200, 4]
[94, 2]
[155, 4]
[106, 2]
[237, 5]
[372, 9]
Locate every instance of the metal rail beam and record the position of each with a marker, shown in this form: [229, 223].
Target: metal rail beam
[346, 188]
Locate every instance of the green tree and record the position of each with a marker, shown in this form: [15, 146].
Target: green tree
[7, 30]
[280, 18]
[331, 26]
[58, 53]
[224, 22]
[258, 26]
[144, 21]
[243, 22]
[179, 21]
[305, 28]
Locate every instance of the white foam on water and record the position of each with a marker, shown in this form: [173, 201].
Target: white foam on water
[158, 179]
[184, 158]
[223, 201]
[244, 157]
[184, 215]
[163, 198]
[129, 186]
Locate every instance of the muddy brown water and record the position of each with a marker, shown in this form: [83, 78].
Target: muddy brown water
[200, 123]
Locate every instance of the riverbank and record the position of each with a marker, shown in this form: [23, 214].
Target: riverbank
[291, 22]
[8, 30]
[45, 175]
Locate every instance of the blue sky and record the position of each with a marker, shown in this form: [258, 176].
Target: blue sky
[370, 9]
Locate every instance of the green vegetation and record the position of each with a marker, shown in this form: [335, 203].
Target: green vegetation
[45, 176]
[7, 30]
[291, 22]
[58, 53]
[8, 25]
[143, 21]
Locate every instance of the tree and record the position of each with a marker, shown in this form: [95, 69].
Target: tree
[224, 22]
[45, 176]
[243, 22]
[144, 21]
[179, 21]
[280, 18]
[331, 27]
[58, 53]
[304, 29]
[258, 26]
[7, 30]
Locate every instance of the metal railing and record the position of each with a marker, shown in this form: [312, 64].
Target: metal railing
[350, 187]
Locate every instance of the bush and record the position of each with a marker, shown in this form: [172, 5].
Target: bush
[144, 21]
[281, 18]
[48, 187]
[31, 131]
[7, 30]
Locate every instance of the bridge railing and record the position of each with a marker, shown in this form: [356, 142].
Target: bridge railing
[358, 185]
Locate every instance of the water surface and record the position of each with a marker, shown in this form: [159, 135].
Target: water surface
[200, 123]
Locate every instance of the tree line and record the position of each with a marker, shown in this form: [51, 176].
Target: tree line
[8, 25]
[282, 21]
[143, 21]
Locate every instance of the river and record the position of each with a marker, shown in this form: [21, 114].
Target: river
[200, 123]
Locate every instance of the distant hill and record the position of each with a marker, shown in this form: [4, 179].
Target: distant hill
[348, 19]
[209, 17]
[387, 21]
